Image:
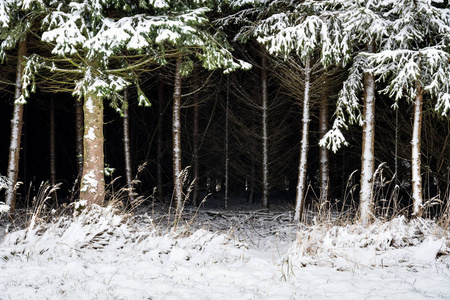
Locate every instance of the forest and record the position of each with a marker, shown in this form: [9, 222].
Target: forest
[224, 149]
[311, 104]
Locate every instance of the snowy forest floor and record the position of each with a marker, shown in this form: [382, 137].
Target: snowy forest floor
[221, 254]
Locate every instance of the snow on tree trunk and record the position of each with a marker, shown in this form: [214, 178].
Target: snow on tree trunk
[299, 201]
[160, 139]
[126, 147]
[195, 144]
[176, 131]
[16, 132]
[367, 156]
[324, 152]
[92, 187]
[265, 138]
[415, 147]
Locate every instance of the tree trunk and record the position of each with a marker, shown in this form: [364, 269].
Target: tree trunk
[227, 143]
[79, 138]
[251, 186]
[52, 146]
[176, 131]
[299, 205]
[324, 152]
[93, 180]
[265, 138]
[367, 156]
[16, 132]
[415, 147]
[195, 144]
[126, 147]
[159, 155]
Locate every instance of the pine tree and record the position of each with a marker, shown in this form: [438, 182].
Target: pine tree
[363, 23]
[89, 38]
[17, 20]
[301, 30]
[414, 63]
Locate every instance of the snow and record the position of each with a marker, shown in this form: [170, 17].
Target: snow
[91, 134]
[101, 254]
[3, 182]
[89, 182]
[89, 106]
[3, 208]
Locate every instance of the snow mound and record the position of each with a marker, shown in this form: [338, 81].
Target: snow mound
[382, 244]
[102, 254]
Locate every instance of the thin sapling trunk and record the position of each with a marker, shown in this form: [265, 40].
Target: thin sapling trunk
[52, 146]
[16, 132]
[195, 144]
[301, 185]
[265, 138]
[176, 132]
[324, 152]
[416, 154]
[159, 155]
[126, 147]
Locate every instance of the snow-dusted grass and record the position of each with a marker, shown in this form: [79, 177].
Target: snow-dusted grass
[102, 254]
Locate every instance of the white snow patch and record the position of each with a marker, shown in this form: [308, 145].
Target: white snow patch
[89, 104]
[91, 134]
[102, 255]
[89, 183]
[4, 208]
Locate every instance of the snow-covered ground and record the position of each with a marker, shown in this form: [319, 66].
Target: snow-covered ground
[223, 255]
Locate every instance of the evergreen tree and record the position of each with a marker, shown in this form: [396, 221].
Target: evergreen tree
[415, 64]
[17, 19]
[104, 44]
[364, 27]
[307, 32]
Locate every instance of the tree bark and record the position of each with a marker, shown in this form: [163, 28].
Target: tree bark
[195, 145]
[251, 185]
[368, 151]
[16, 132]
[160, 191]
[52, 146]
[176, 132]
[79, 138]
[299, 206]
[93, 180]
[126, 147]
[265, 138]
[227, 143]
[416, 154]
[324, 152]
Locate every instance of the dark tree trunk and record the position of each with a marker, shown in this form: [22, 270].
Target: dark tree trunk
[79, 138]
[195, 145]
[159, 155]
[227, 144]
[265, 137]
[52, 146]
